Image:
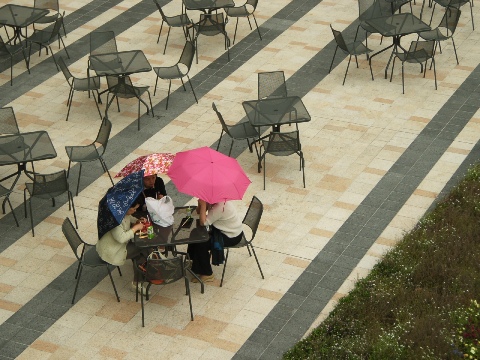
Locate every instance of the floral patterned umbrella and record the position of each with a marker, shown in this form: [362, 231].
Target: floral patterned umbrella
[152, 164]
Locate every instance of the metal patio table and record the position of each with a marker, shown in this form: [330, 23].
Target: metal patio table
[182, 232]
[20, 149]
[18, 17]
[120, 64]
[396, 26]
[207, 6]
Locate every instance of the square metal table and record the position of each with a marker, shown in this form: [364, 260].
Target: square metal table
[396, 26]
[180, 233]
[18, 17]
[207, 6]
[20, 149]
[120, 64]
[276, 111]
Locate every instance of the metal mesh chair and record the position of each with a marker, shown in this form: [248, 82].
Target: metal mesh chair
[102, 42]
[353, 49]
[79, 84]
[8, 51]
[241, 131]
[181, 20]
[444, 30]
[4, 192]
[86, 255]
[54, 8]
[8, 121]
[281, 144]
[211, 25]
[91, 152]
[244, 10]
[177, 71]
[418, 53]
[43, 38]
[48, 186]
[448, 4]
[271, 85]
[367, 9]
[126, 90]
[251, 219]
[164, 271]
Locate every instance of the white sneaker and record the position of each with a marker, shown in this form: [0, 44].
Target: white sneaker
[133, 288]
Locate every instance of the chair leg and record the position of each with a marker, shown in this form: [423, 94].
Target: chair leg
[155, 89]
[13, 212]
[258, 263]
[193, 91]
[346, 71]
[79, 174]
[231, 147]
[455, 50]
[166, 42]
[329, 70]
[159, 32]
[113, 284]
[168, 95]
[31, 216]
[258, 29]
[434, 73]
[70, 198]
[68, 170]
[104, 165]
[235, 33]
[224, 267]
[76, 285]
[143, 309]
[220, 140]
[69, 102]
[96, 104]
[403, 80]
[187, 287]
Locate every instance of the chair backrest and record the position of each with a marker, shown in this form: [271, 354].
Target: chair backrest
[272, 85]
[222, 121]
[4, 50]
[162, 14]
[49, 185]
[8, 122]
[103, 135]
[65, 70]
[47, 4]
[188, 54]
[368, 9]
[74, 240]
[168, 270]
[56, 28]
[253, 215]
[283, 143]
[450, 20]
[339, 39]
[102, 42]
[211, 25]
[420, 51]
[252, 3]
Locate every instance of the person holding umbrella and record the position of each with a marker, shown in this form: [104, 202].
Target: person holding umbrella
[225, 223]
[116, 225]
[154, 187]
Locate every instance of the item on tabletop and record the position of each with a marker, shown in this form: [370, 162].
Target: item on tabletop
[152, 164]
[115, 204]
[161, 210]
[208, 175]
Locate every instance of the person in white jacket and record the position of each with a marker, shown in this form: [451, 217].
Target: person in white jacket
[115, 246]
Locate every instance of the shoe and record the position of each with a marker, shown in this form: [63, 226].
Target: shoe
[204, 278]
[133, 288]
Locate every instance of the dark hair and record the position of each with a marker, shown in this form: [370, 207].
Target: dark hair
[135, 203]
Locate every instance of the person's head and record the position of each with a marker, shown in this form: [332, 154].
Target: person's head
[149, 181]
[133, 208]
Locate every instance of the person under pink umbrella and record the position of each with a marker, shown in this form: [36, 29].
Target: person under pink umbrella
[225, 223]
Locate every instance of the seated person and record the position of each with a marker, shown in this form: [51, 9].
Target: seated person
[153, 187]
[223, 217]
[115, 246]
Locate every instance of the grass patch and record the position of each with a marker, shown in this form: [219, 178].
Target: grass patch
[419, 302]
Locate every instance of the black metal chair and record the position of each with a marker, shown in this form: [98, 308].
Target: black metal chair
[54, 7]
[177, 71]
[211, 25]
[444, 30]
[244, 10]
[418, 53]
[48, 186]
[181, 20]
[355, 48]
[241, 131]
[43, 38]
[126, 90]
[448, 4]
[4, 192]
[163, 271]
[86, 255]
[251, 219]
[91, 152]
[8, 51]
[367, 9]
[271, 84]
[8, 121]
[281, 144]
[91, 83]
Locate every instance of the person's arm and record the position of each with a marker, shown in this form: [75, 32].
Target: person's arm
[202, 211]
[122, 236]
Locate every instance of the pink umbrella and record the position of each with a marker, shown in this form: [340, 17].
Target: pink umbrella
[208, 175]
[152, 164]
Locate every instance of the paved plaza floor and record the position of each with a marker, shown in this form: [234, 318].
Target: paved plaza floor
[376, 160]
